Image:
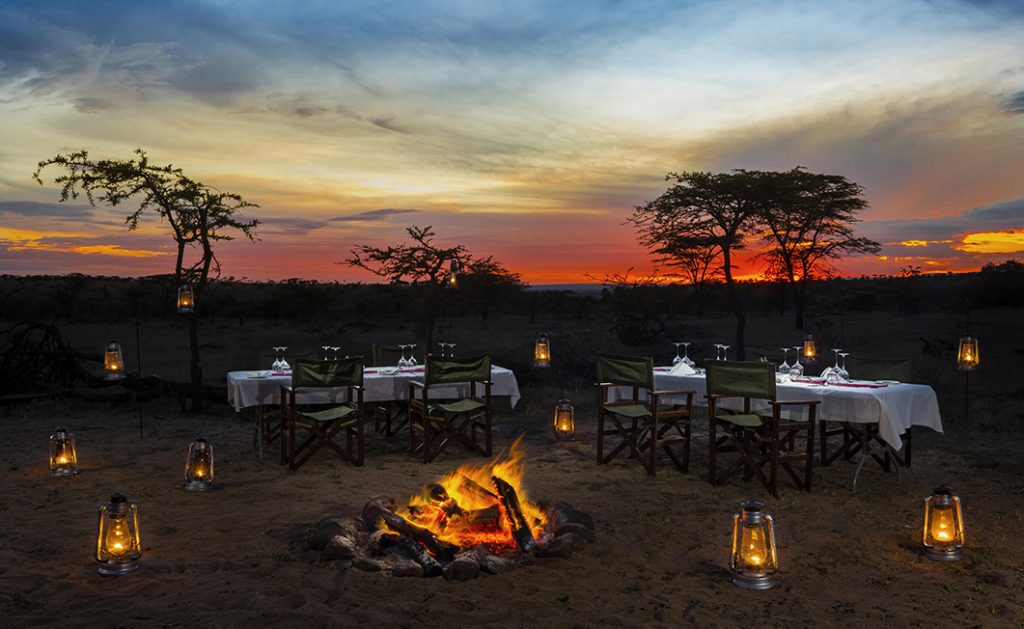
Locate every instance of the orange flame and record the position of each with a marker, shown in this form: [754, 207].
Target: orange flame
[470, 489]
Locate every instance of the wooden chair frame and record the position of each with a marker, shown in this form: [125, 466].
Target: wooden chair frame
[320, 434]
[436, 427]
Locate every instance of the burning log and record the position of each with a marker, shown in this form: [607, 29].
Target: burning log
[416, 552]
[488, 519]
[441, 549]
[514, 513]
[470, 486]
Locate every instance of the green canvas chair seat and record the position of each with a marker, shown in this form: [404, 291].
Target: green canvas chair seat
[642, 425]
[898, 368]
[757, 441]
[433, 425]
[323, 422]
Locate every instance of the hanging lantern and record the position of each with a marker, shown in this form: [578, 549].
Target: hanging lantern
[63, 455]
[967, 357]
[186, 301]
[113, 362]
[809, 353]
[542, 351]
[453, 274]
[943, 533]
[754, 561]
[118, 548]
[199, 466]
[565, 423]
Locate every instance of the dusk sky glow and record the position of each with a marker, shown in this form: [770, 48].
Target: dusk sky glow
[525, 130]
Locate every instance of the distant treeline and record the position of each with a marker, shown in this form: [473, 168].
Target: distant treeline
[637, 308]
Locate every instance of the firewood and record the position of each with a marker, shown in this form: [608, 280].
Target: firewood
[470, 486]
[514, 513]
[416, 552]
[441, 549]
[487, 519]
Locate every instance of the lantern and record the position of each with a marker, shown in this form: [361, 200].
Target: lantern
[199, 466]
[186, 301]
[113, 362]
[943, 533]
[542, 351]
[565, 424]
[63, 455]
[453, 274]
[754, 561]
[118, 548]
[809, 353]
[967, 357]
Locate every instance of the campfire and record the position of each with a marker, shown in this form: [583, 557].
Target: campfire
[477, 518]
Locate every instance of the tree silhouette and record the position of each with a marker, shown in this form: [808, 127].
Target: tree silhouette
[198, 216]
[428, 268]
[809, 219]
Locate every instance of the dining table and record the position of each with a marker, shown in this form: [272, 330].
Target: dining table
[893, 407]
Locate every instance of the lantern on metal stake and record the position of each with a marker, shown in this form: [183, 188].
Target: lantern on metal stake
[199, 466]
[63, 454]
[754, 561]
[118, 547]
[967, 356]
[542, 351]
[453, 274]
[186, 300]
[943, 532]
[565, 424]
[113, 362]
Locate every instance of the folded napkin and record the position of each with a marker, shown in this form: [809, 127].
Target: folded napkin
[682, 369]
[859, 385]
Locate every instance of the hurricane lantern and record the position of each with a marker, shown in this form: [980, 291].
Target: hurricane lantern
[113, 362]
[453, 274]
[967, 357]
[199, 466]
[118, 547]
[565, 423]
[809, 352]
[943, 533]
[542, 351]
[186, 299]
[63, 454]
[754, 561]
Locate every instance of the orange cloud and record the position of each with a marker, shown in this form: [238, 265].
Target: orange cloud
[919, 243]
[993, 242]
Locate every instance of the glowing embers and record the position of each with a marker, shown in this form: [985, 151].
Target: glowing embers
[943, 531]
[186, 299]
[542, 351]
[754, 560]
[199, 466]
[967, 356]
[118, 547]
[63, 453]
[565, 421]
[113, 362]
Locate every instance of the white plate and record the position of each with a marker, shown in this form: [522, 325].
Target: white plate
[888, 382]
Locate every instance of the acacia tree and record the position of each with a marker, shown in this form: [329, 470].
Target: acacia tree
[198, 216]
[427, 268]
[705, 218]
[809, 221]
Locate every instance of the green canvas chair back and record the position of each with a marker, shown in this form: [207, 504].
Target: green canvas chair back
[385, 355]
[633, 371]
[343, 372]
[447, 370]
[880, 368]
[752, 379]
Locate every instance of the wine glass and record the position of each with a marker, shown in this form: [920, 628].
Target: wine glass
[451, 350]
[725, 352]
[276, 366]
[784, 367]
[843, 373]
[412, 356]
[686, 356]
[718, 351]
[678, 359]
[282, 364]
[797, 370]
[403, 362]
[334, 349]
[325, 349]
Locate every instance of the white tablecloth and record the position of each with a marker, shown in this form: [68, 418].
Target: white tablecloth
[246, 388]
[894, 407]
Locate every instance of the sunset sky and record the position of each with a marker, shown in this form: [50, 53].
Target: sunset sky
[526, 129]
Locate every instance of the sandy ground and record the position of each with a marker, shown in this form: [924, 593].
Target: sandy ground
[237, 557]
